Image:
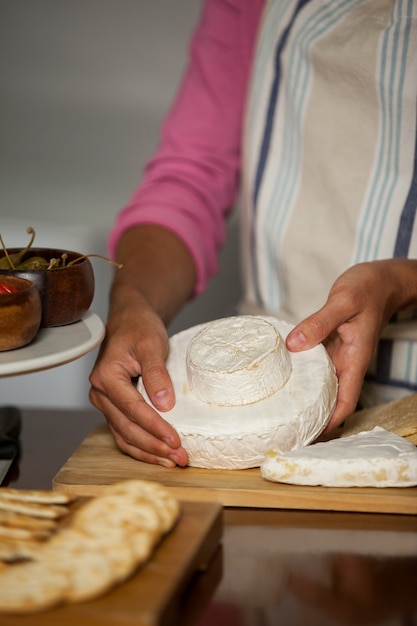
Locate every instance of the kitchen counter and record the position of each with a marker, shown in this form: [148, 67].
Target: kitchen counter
[289, 567]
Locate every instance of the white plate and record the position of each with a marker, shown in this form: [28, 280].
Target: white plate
[54, 346]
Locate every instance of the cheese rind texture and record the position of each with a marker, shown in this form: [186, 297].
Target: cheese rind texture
[236, 361]
[237, 437]
[375, 458]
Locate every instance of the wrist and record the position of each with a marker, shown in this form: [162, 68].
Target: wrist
[401, 274]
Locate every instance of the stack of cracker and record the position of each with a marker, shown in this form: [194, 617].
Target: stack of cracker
[27, 519]
[53, 551]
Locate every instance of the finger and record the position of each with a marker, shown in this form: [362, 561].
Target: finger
[137, 355]
[347, 400]
[351, 361]
[144, 437]
[155, 376]
[124, 404]
[150, 450]
[350, 380]
[115, 383]
[318, 326]
[158, 384]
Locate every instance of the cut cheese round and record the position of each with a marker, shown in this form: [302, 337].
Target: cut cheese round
[237, 360]
[375, 458]
[238, 436]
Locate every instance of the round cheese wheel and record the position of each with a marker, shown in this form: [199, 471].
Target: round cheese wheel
[238, 436]
[236, 361]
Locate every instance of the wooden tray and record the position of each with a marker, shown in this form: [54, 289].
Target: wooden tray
[186, 562]
[98, 462]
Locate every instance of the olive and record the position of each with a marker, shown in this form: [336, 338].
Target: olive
[33, 263]
[15, 260]
[10, 261]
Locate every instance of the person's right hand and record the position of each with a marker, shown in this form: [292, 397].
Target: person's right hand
[157, 278]
[136, 344]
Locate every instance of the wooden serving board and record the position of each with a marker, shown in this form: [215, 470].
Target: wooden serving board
[156, 593]
[98, 462]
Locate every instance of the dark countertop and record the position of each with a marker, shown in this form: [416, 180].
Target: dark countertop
[279, 567]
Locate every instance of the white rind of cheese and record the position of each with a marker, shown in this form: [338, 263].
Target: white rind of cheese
[237, 360]
[237, 437]
[375, 458]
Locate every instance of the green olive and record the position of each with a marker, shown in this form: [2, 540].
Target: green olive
[11, 261]
[14, 261]
[33, 263]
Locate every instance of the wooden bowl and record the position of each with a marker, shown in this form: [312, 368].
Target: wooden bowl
[66, 292]
[20, 313]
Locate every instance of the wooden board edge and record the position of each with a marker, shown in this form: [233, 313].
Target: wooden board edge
[401, 501]
[396, 501]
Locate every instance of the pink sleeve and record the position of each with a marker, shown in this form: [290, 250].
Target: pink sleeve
[190, 184]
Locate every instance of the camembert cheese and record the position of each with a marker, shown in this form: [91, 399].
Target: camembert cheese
[236, 361]
[375, 458]
[237, 436]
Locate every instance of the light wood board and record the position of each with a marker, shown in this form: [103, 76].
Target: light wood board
[156, 593]
[98, 462]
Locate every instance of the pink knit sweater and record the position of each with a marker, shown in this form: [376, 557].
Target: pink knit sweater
[190, 184]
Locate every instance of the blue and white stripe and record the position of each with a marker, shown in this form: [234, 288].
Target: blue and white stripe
[379, 214]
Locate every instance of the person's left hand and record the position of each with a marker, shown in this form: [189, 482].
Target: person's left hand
[360, 303]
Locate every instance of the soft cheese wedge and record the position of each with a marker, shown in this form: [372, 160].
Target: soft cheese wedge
[375, 458]
[237, 436]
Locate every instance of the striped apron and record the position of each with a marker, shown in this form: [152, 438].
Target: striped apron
[329, 164]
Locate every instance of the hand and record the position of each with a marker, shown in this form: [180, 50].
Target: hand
[157, 277]
[360, 303]
[137, 344]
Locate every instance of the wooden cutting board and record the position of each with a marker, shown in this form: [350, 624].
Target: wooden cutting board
[98, 462]
[156, 593]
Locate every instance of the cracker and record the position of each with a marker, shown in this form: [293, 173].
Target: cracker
[399, 417]
[50, 511]
[40, 496]
[17, 520]
[22, 533]
[165, 505]
[87, 564]
[29, 587]
[132, 513]
[18, 549]
[100, 544]
[142, 545]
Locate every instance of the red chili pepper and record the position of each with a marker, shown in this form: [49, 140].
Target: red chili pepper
[5, 288]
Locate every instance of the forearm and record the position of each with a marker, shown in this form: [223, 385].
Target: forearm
[158, 271]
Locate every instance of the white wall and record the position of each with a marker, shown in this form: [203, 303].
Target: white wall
[84, 85]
